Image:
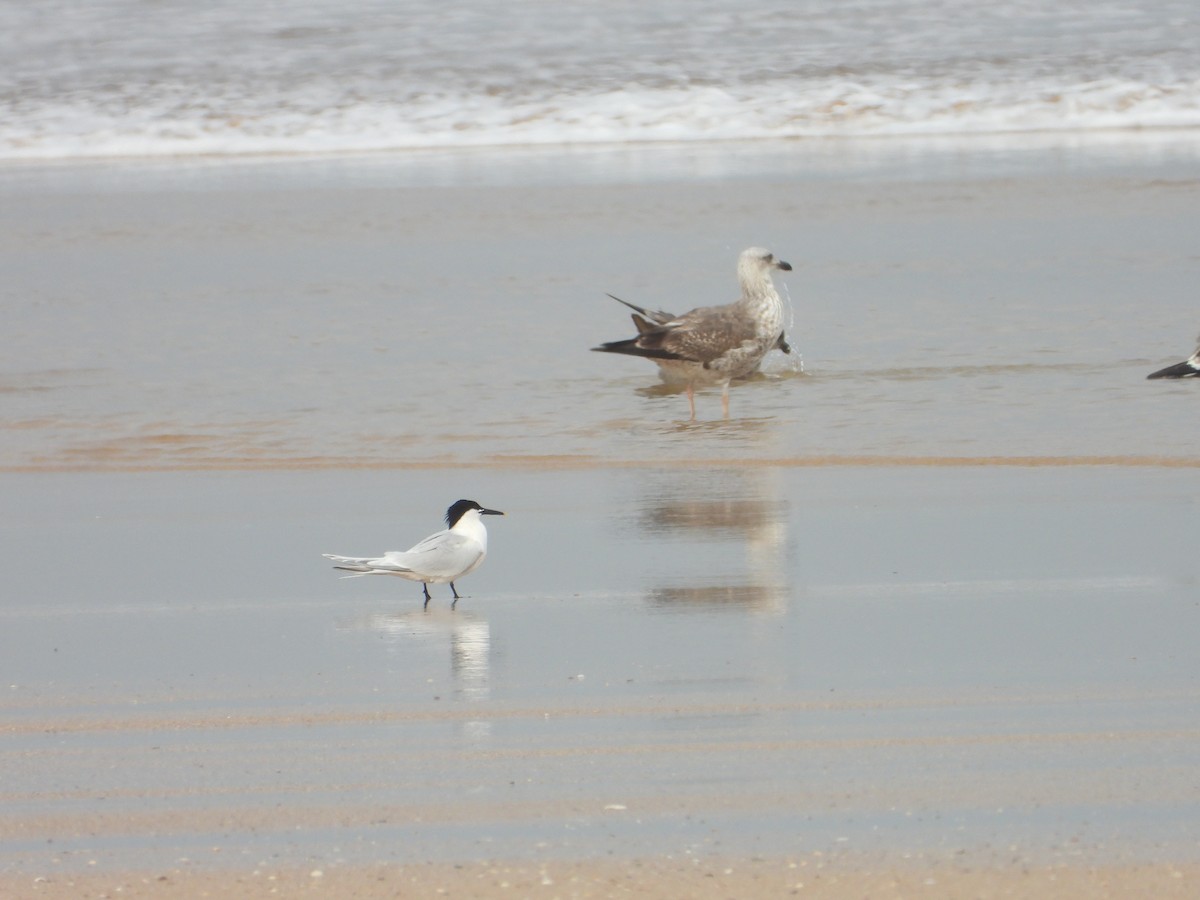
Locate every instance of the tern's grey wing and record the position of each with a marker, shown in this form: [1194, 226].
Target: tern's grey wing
[446, 554]
[434, 540]
[387, 564]
[359, 562]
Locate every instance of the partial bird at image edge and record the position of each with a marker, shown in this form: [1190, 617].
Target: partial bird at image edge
[1189, 368]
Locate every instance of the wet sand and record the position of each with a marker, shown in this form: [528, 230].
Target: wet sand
[922, 627]
[817, 676]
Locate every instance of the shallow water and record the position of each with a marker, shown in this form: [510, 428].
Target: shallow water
[333, 315]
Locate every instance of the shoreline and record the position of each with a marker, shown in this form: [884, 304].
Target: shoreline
[576, 463]
[889, 158]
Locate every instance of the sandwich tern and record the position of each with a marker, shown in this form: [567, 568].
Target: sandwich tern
[441, 558]
[712, 345]
[1189, 368]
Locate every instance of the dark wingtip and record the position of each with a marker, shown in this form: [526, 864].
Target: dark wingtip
[632, 306]
[1179, 370]
[630, 348]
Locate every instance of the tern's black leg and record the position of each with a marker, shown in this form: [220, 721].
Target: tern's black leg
[425, 588]
[453, 591]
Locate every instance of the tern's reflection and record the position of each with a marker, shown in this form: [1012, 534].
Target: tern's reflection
[467, 635]
[732, 507]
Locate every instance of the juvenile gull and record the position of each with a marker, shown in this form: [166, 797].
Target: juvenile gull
[712, 345]
[1189, 368]
[441, 558]
[658, 317]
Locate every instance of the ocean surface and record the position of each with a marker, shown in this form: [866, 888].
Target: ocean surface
[164, 77]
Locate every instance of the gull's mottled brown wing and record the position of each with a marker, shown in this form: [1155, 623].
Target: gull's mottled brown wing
[703, 335]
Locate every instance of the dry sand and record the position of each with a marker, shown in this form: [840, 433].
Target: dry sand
[658, 878]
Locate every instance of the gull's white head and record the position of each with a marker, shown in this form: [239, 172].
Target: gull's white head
[757, 261]
[754, 271]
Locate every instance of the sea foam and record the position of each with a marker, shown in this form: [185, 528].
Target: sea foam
[327, 78]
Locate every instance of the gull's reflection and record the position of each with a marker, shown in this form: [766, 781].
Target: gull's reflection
[738, 508]
[759, 597]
